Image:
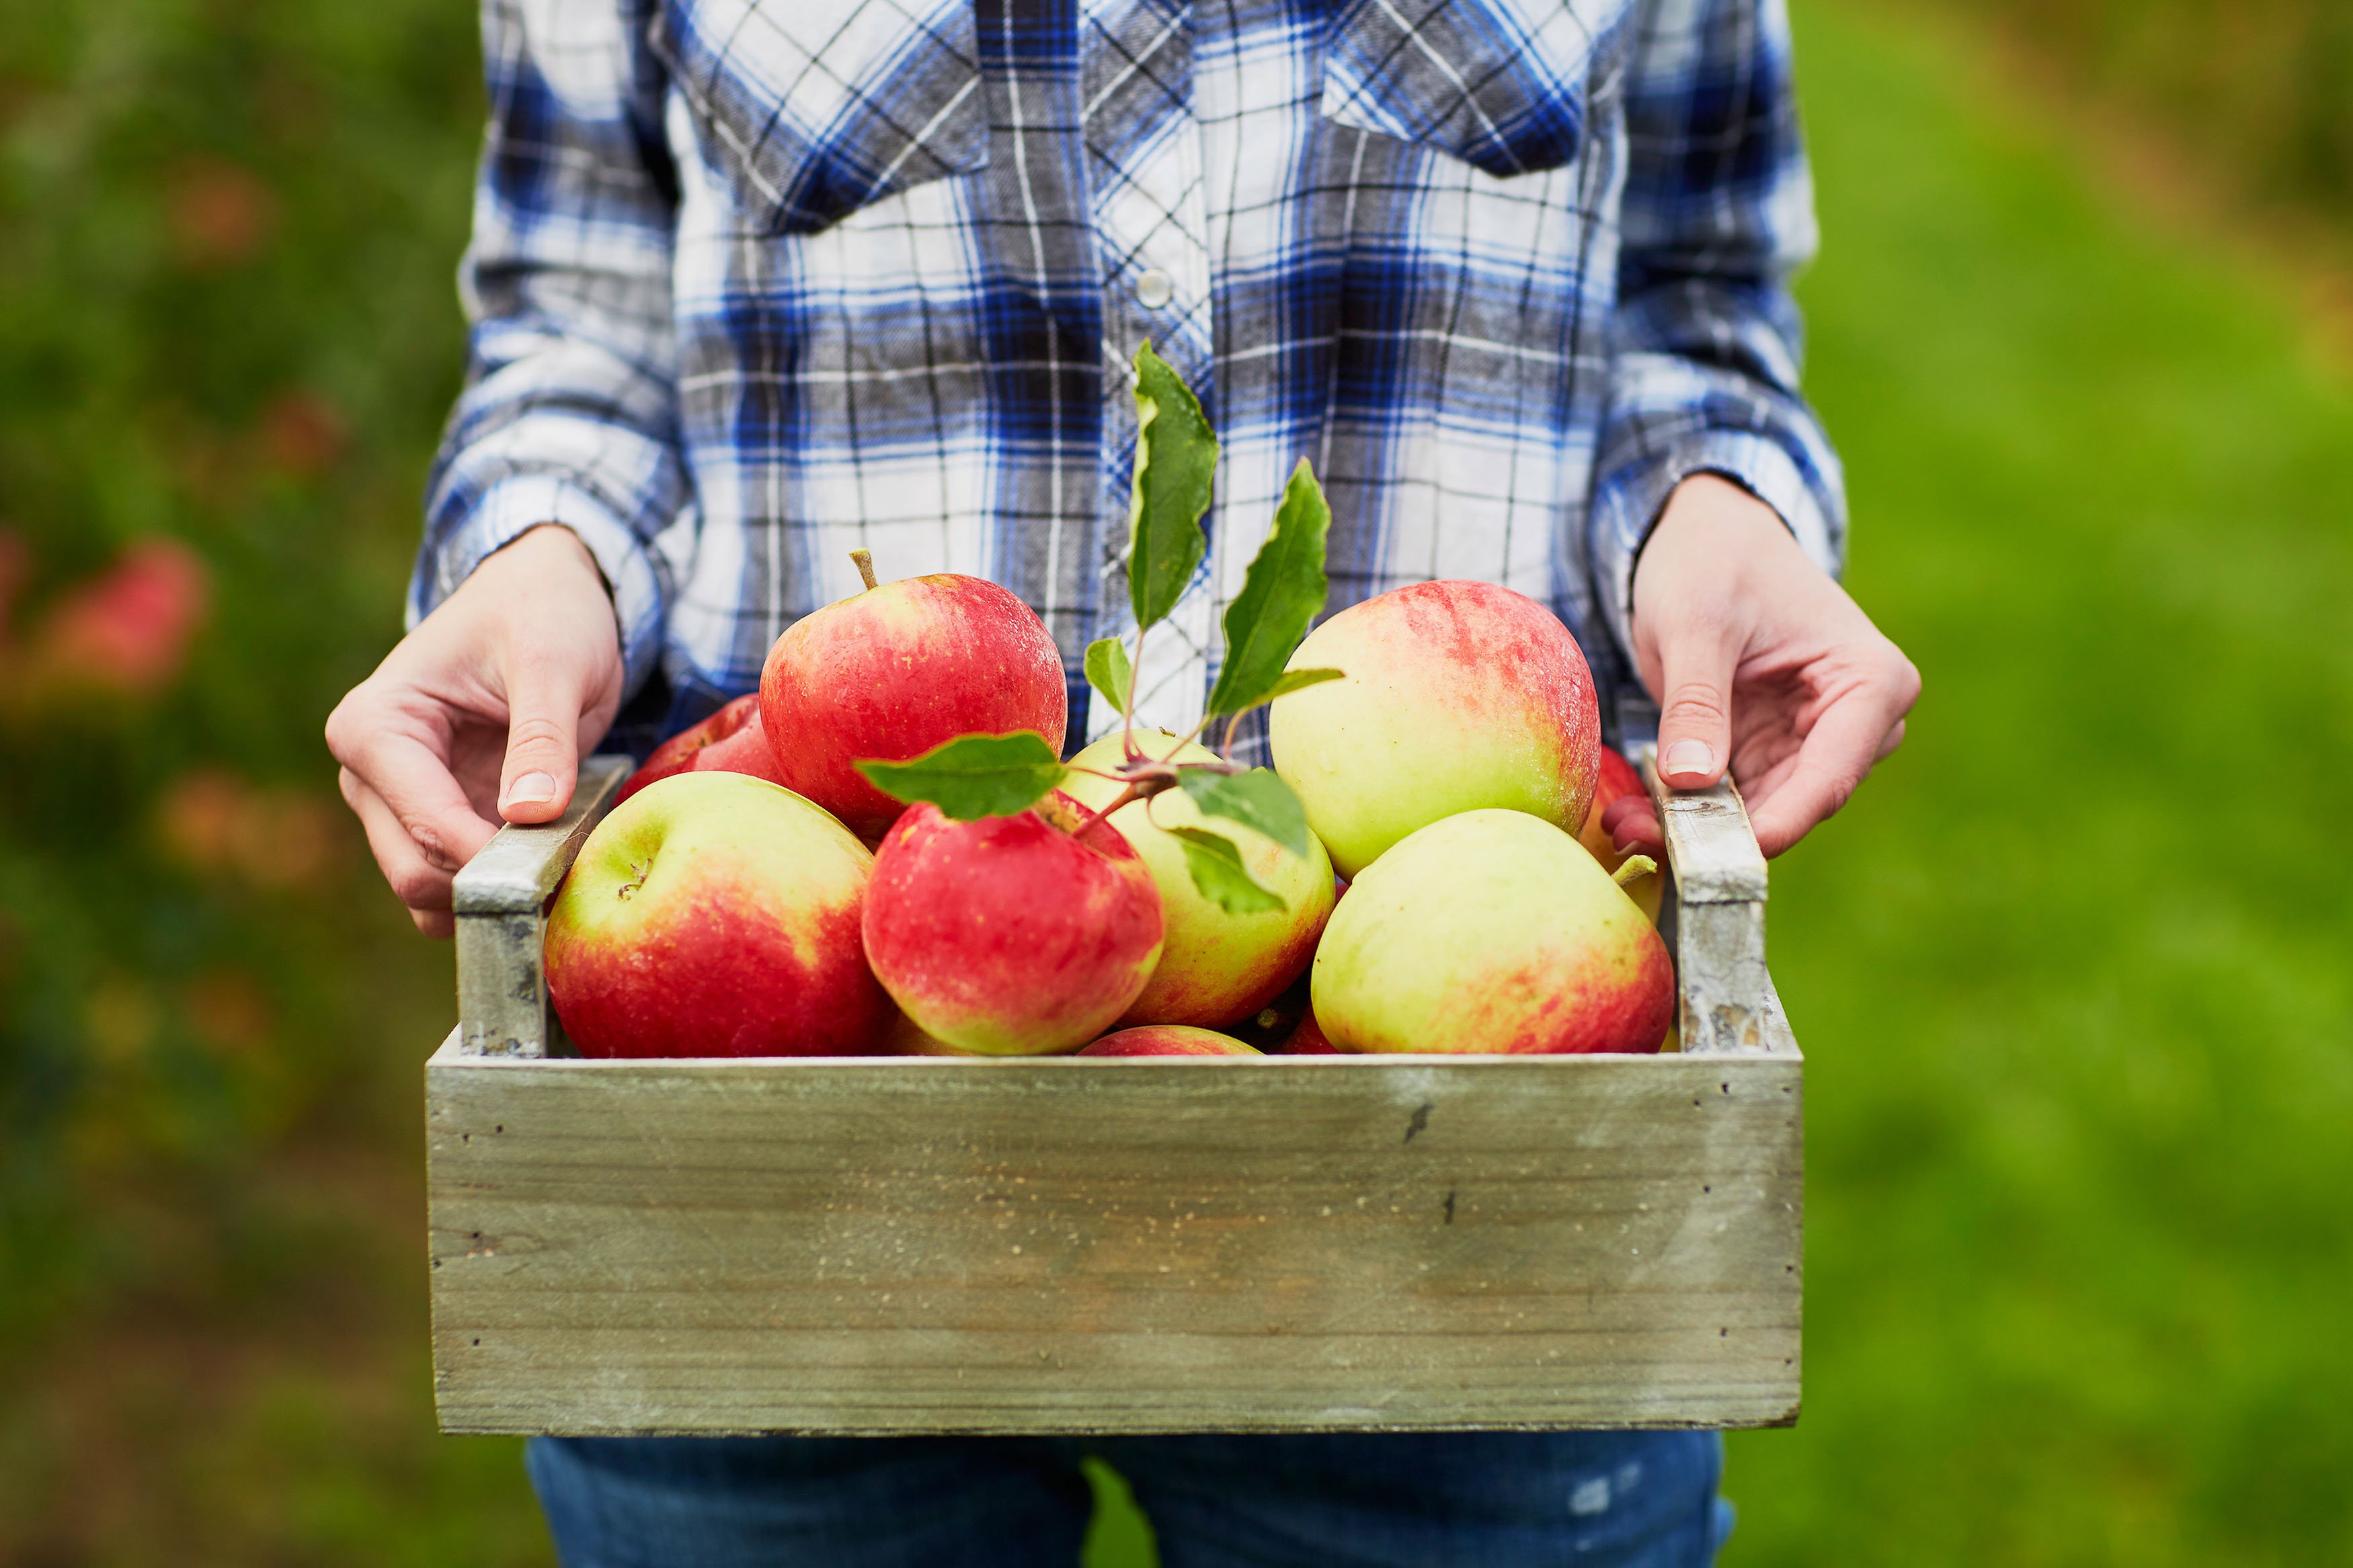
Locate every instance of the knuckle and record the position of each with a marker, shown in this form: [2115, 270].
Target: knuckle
[536, 732]
[1695, 703]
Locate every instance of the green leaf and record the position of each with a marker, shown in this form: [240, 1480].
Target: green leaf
[1108, 672]
[1176, 456]
[1280, 598]
[974, 776]
[1219, 873]
[1255, 799]
[1295, 679]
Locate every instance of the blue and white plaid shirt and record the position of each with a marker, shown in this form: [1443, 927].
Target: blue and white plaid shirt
[755, 282]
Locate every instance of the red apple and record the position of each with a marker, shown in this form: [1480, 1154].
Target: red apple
[1491, 931]
[715, 915]
[1455, 697]
[730, 741]
[1011, 936]
[1168, 1040]
[1617, 780]
[1308, 1040]
[892, 672]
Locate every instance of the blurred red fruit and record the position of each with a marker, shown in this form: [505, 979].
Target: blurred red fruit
[130, 627]
[220, 214]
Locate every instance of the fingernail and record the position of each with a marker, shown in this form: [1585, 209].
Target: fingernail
[531, 789]
[1687, 757]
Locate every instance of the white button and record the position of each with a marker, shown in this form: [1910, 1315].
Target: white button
[1154, 289]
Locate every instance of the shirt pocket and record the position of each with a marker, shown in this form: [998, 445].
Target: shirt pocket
[814, 110]
[1500, 84]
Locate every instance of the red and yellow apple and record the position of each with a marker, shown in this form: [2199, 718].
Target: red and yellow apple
[1490, 930]
[730, 741]
[715, 915]
[1455, 697]
[1168, 1040]
[1617, 780]
[1216, 968]
[891, 673]
[1011, 935]
[1308, 1040]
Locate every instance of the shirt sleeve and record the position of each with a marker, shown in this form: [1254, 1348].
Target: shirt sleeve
[1717, 216]
[570, 408]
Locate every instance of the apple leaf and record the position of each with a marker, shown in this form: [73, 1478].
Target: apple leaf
[1108, 671]
[1255, 799]
[1295, 679]
[974, 776]
[1176, 456]
[1281, 597]
[1219, 873]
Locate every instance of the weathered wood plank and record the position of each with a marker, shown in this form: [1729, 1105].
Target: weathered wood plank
[1719, 882]
[1114, 1246]
[500, 897]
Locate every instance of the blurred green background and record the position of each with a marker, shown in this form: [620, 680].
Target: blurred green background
[2072, 972]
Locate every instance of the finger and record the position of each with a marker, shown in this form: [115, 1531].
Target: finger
[1694, 706]
[543, 760]
[439, 924]
[382, 747]
[1851, 734]
[416, 881]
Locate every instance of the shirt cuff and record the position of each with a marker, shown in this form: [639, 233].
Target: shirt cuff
[1628, 508]
[515, 506]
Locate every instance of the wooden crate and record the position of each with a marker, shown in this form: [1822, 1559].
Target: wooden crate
[1142, 1245]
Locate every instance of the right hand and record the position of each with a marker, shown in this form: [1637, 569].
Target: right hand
[480, 715]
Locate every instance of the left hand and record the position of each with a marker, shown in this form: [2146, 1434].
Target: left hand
[1758, 660]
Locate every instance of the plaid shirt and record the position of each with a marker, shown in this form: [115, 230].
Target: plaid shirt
[754, 282]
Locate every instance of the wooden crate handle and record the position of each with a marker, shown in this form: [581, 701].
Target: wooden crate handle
[1728, 1006]
[501, 898]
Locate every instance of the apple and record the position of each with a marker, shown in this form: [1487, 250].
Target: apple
[1216, 969]
[1616, 780]
[1491, 931]
[730, 741]
[1168, 1040]
[715, 915]
[890, 673]
[1011, 935]
[1455, 697]
[1308, 1039]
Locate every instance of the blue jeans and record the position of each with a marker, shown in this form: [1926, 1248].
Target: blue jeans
[1495, 1500]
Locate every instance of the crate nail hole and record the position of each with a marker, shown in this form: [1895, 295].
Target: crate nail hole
[478, 1342]
[500, 1128]
[1719, 1333]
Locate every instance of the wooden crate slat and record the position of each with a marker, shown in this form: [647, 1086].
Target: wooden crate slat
[831, 1246]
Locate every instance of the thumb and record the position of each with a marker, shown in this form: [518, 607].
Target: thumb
[543, 760]
[1694, 709]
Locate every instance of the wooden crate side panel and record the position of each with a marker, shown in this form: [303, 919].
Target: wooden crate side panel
[1105, 1247]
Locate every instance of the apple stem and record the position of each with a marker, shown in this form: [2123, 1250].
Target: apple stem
[864, 561]
[1632, 869]
[1133, 791]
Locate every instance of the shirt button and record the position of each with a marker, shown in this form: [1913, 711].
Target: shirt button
[1154, 289]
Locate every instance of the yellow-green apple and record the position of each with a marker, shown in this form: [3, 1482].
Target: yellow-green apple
[1491, 931]
[1454, 697]
[892, 672]
[730, 741]
[1011, 935]
[1168, 1040]
[1215, 968]
[715, 915]
[1616, 780]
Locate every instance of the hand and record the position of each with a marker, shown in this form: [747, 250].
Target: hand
[481, 714]
[1758, 657]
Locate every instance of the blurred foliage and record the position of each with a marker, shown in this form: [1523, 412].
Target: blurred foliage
[2074, 992]
[2259, 90]
[226, 232]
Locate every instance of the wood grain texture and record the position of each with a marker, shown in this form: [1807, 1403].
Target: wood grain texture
[500, 898]
[1072, 1246]
[1726, 1006]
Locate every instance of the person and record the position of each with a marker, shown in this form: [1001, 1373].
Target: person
[754, 284]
